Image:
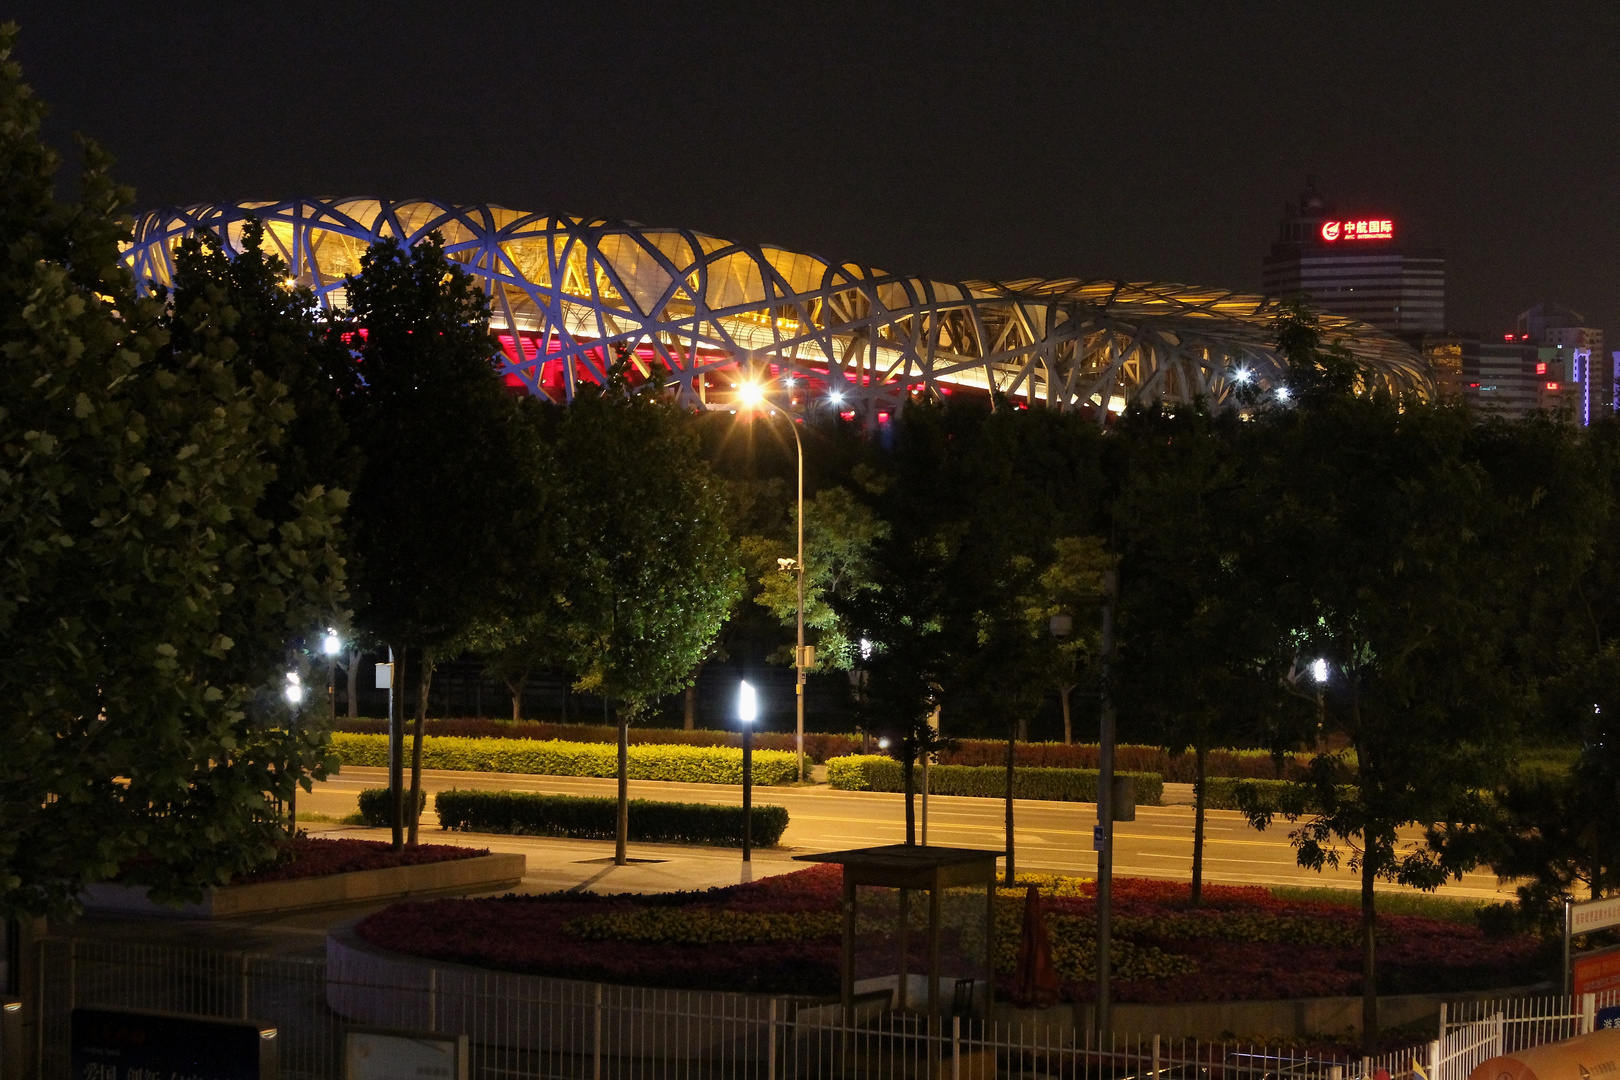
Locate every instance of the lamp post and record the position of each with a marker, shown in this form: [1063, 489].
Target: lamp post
[752, 396]
[1105, 813]
[331, 645]
[747, 711]
[294, 693]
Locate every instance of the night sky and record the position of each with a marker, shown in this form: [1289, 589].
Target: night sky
[1148, 141]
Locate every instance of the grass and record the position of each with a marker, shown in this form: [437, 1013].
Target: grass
[1449, 908]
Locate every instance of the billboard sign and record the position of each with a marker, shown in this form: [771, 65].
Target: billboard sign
[1594, 915]
[1597, 971]
[129, 1044]
[1364, 229]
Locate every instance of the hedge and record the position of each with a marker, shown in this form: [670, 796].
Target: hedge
[377, 809]
[818, 745]
[689, 764]
[873, 772]
[596, 818]
[1220, 792]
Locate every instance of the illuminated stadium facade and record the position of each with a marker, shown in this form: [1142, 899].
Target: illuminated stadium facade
[569, 295]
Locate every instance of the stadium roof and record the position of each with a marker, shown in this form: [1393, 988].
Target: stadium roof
[569, 294]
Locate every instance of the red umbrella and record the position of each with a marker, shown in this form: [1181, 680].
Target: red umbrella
[1037, 978]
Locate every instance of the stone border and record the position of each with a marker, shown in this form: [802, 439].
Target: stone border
[481, 873]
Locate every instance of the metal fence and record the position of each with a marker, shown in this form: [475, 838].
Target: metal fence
[527, 1026]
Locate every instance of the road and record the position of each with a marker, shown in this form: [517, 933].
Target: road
[1051, 837]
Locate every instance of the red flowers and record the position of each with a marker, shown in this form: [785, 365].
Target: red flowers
[309, 856]
[1243, 943]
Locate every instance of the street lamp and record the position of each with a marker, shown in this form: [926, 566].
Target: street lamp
[752, 395]
[331, 645]
[294, 693]
[747, 712]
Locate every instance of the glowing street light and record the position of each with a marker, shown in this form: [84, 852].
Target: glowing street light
[1319, 670]
[1283, 393]
[294, 693]
[1243, 375]
[750, 395]
[747, 713]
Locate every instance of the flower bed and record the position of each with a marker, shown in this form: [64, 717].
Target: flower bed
[782, 935]
[308, 857]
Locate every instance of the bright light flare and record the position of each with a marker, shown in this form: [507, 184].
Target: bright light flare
[747, 703]
[1319, 670]
[331, 645]
[1283, 393]
[295, 689]
[750, 395]
[1242, 375]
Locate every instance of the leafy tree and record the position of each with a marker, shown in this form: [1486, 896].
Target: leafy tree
[452, 492]
[651, 571]
[1201, 668]
[146, 598]
[839, 531]
[1068, 589]
[514, 646]
[1399, 559]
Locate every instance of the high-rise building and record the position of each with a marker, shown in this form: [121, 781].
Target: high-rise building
[1515, 377]
[1356, 267]
[1580, 347]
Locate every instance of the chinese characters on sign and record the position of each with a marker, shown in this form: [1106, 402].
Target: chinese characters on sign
[1376, 229]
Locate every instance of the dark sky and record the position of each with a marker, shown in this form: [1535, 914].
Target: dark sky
[1139, 140]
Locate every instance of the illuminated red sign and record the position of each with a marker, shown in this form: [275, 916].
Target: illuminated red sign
[1371, 229]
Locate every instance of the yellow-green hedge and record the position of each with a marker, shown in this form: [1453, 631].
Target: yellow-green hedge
[688, 764]
[877, 772]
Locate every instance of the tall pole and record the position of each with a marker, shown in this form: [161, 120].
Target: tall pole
[1105, 813]
[798, 653]
[748, 793]
[396, 760]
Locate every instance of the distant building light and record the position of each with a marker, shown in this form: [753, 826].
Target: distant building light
[1541, 368]
[1552, 386]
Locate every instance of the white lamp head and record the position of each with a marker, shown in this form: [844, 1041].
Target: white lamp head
[1319, 670]
[295, 689]
[331, 645]
[747, 703]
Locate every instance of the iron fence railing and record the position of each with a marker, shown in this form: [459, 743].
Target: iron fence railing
[521, 1026]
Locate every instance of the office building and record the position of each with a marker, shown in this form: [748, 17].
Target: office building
[1580, 348]
[1356, 266]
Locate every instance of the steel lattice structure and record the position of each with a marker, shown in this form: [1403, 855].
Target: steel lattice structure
[569, 294]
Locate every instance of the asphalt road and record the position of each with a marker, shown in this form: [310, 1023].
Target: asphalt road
[1051, 837]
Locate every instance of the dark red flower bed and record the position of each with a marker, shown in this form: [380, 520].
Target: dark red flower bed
[309, 856]
[1243, 943]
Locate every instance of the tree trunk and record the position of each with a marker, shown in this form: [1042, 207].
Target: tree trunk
[691, 706]
[1201, 758]
[353, 673]
[1023, 729]
[1068, 720]
[1012, 875]
[424, 687]
[1369, 943]
[517, 687]
[621, 829]
[907, 770]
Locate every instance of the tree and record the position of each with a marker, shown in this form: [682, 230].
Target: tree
[145, 599]
[1067, 590]
[1400, 559]
[453, 470]
[650, 570]
[1201, 668]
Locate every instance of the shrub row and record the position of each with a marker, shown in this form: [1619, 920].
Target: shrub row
[689, 764]
[872, 772]
[377, 807]
[1221, 792]
[593, 818]
[818, 746]
[821, 747]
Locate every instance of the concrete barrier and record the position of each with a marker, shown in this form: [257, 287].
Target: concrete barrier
[482, 873]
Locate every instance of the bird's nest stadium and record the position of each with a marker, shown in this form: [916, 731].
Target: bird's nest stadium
[570, 295]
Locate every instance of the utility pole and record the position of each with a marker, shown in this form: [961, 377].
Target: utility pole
[396, 761]
[799, 661]
[1104, 840]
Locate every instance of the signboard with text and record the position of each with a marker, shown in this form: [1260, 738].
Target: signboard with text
[1594, 915]
[129, 1044]
[1597, 971]
[1364, 229]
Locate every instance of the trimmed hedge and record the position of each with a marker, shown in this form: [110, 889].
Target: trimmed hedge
[1221, 792]
[596, 818]
[377, 808]
[818, 745]
[873, 772]
[688, 764]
